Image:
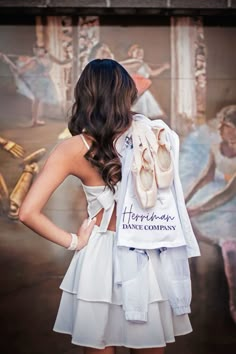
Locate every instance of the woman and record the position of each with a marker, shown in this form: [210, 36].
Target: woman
[211, 197]
[91, 308]
[221, 163]
[100, 51]
[32, 78]
[141, 73]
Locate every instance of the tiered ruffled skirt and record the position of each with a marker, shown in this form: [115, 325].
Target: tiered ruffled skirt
[91, 304]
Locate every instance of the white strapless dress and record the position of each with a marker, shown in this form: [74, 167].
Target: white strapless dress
[91, 305]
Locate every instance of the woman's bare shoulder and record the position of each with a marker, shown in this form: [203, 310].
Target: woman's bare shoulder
[71, 146]
[68, 149]
[66, 155]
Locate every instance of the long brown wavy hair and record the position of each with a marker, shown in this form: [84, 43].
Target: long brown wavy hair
[104, 95]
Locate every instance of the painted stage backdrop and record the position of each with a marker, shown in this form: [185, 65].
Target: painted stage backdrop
[184, 70]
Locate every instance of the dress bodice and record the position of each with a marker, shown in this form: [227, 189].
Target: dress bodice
[143, 70]
[226, 165]
[101, 198]
[38, 67]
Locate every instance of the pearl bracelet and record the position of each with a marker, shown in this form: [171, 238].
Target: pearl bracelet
[74, 242]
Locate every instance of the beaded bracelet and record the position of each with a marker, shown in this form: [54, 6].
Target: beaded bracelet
[74, 242]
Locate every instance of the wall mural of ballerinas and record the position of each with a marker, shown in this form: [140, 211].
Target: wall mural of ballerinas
[184, 58]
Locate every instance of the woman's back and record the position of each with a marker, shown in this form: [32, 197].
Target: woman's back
[97, 194]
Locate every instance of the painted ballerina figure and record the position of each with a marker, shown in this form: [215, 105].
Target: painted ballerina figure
[32, 78]
[211, 197]
[142, 73]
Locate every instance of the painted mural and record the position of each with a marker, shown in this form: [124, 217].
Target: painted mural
[183, 76]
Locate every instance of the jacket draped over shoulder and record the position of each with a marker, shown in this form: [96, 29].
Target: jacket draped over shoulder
[131, 261]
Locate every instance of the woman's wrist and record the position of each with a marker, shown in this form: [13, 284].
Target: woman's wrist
[74, 242]
[78, 242]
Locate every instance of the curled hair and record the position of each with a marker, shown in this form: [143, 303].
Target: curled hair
[104, 95]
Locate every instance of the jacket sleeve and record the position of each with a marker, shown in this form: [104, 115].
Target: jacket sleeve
[177, 278]
[192, 245]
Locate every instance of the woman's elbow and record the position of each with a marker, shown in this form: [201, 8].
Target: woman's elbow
[24, 215]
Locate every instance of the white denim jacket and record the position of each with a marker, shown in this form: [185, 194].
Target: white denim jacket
[131, 265]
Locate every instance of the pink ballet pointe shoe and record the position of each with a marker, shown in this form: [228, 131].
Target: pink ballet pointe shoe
[145, 183]
[163, 162]
[144, 174]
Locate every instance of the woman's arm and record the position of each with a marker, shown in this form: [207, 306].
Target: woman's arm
[8, 61]
[220, 198]
[59, 61]
[56, 169]
[131, 65]
[158, 71]
[206, 176]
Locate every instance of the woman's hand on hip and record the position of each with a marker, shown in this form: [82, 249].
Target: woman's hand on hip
[85, 232]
